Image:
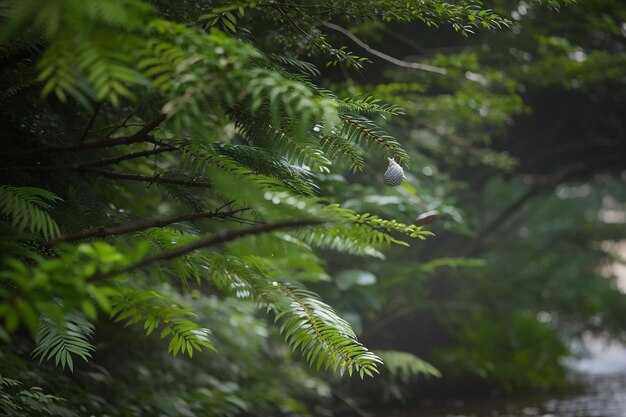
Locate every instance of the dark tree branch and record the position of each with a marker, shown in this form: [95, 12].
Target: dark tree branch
[151, 125]
[384, 56]
[145, 178]
[145, 224]
[216, 239]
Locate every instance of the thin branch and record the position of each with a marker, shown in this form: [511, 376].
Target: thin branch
[125, 140]
[145, 178]
[124, 124]
[144, 224]
[88, 127]
[151, 125]
[539, 184]
[94, 163]
[140, 136]
[216, 239]
[382, 55]
[294, 24]
[576, 170]
[585, 145]
[132, 155]
[455, 139]
[504, 215]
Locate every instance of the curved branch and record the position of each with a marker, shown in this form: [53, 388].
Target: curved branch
[145, 178]
[94, 163]
[143, 225]
[382, 55]
[455, 139]
[90, 123]
[216, 239]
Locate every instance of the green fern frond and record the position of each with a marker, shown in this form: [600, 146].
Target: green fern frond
[187, 337]
[308, 324]
[263, 162]
[369, 106]
[365, 132]
[186, 268]
[301, 149]
[61, 341]
[158, 59]
[27, 207]
[185, 196]
[404, 365]
[341, 150]
[325, 339]
[305, 68]
[155, 310]
[248, 161]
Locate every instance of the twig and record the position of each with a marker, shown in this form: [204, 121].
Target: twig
[455, 139]
[132, 155]
[137, 137]
[145, 178]
[148, 127]
[216, 239]
[500, 220]
[88, 127]
[124, 124]
[294, 24]
[382, 55]
[97, 162]
[144, 224]
[539, 184]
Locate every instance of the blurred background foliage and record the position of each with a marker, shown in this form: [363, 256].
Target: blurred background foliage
[513, 122]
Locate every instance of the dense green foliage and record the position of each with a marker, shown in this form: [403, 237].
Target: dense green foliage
[181, 180]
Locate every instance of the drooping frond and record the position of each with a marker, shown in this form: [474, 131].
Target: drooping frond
[300, 149]
[156, 310]
[63, 340]
[369, 106]
[405, 365]
[267, 163]
[303, 67]
[363, 131]
[26, 207]
[341, 150]
[249, 160]
[325, 339]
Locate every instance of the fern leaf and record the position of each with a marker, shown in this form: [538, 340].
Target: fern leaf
[339, 149]
[156, 310]
[305, 68]
[26, 207]
[369, 106]
[63, 341]
[324, 338]
[363, 131]
[404, 365]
